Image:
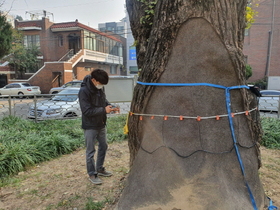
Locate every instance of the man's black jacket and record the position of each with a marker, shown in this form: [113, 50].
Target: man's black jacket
[92, 102]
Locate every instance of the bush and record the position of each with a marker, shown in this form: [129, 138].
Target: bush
[249, 72]
[24, 143]
[271, 133]
[115, 128]
[262, 83]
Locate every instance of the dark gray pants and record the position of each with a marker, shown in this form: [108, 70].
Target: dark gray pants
[90, 139]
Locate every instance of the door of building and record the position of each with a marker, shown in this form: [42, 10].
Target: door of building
[74, 42]
[3, 80]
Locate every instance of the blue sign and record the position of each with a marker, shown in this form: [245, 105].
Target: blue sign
[132, 53]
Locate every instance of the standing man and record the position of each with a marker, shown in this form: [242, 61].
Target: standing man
[95, 107]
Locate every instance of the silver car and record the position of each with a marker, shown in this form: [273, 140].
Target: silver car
[269, 101]
[63, 105]
[20, 89]
[72, 84]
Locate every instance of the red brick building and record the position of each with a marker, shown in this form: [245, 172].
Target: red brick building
[262, 41]
[69, 51]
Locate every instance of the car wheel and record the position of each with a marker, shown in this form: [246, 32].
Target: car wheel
[20, 95]
[70, 115]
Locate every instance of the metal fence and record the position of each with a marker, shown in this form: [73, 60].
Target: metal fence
[44, 106]
[41, 107]
[269, 106]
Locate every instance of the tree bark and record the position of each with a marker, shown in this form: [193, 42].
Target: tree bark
[191, 42]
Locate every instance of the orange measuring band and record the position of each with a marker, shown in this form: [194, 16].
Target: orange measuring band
[165, 118]
[141, 118]
[198, 118]
[181, 117]
[247, 113]
[217, 117]
[232, 114]
[152, 117]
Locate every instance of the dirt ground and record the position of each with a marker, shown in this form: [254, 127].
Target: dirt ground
[63, 183]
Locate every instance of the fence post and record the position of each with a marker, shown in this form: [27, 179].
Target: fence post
[278, 113]
[35, 108]
[10, 105]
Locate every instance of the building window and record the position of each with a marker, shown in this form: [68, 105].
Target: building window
[113, 69]
[31, 41]
[60, 40]
[246, 32]
[120, 30]
[133, 69]
[103, 29]
[87, 68]
[100, 45]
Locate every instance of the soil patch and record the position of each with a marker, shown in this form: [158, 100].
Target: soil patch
[62, 184]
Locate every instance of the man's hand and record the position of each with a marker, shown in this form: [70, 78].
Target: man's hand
[108, 109]
[116, 110]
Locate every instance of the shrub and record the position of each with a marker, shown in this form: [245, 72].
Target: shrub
[271, 133]
[249, 72]
[24, 142]
[115, 128]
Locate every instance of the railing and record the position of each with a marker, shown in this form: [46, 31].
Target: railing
[46, 107]
[103, 57]
[67, 56]
[42, 107]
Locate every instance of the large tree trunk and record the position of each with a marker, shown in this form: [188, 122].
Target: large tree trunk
[191, 163]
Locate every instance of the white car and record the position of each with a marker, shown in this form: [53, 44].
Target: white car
[65, 104]
[269, 101]
[20, 89]
[72, 84]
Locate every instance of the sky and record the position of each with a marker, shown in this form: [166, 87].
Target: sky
[88, 12]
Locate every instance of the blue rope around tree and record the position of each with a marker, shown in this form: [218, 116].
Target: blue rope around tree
[228, 106]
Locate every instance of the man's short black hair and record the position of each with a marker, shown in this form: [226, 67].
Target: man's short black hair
[100, 76]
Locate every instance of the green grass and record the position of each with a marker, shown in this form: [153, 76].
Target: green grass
[99, 205]
[24, 143]
[271, 133]
[91, 205]
[115, 128]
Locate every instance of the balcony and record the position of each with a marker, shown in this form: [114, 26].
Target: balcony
[94, 56]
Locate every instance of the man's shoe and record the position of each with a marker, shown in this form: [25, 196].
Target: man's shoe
[103, 172]
[95, 180]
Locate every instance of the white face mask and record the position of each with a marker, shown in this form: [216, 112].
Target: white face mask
[99, 86]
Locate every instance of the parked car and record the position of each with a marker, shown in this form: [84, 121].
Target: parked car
[74, 84]
[269, 101]
[20, 88]
[65, 104]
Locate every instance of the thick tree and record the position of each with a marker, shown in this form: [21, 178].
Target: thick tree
[195, 144]
[5, 36]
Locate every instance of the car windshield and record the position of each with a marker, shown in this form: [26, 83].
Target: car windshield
[77, 84]
[66, 95]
